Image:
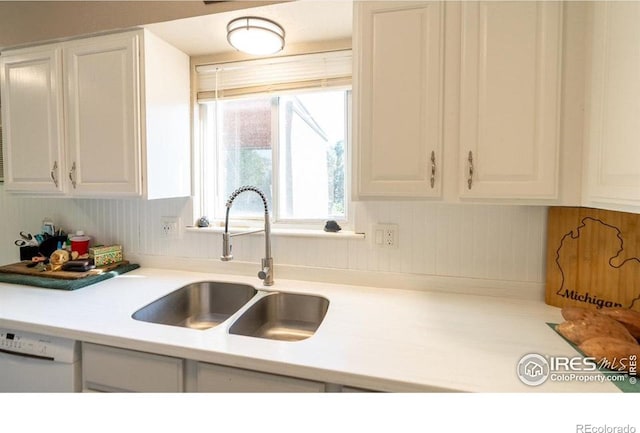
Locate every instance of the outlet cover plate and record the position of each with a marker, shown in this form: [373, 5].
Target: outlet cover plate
[170, 227]
[385, 235]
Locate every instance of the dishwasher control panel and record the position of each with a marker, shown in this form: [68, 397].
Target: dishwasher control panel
[37, 345]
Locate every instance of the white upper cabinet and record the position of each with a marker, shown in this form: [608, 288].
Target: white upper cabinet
[123, 103]
[458, 100]
[613, 133]
[398, 99]
[510, 100]
[32, 120]
[103, 147]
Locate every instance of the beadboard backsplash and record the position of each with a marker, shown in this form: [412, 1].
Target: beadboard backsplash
[447, 240]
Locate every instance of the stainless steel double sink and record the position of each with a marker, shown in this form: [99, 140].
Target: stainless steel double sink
[271, 315]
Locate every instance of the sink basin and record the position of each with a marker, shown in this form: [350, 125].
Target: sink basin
[282, 316]
[201, 305]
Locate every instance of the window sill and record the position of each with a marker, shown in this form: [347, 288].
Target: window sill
[300, 233]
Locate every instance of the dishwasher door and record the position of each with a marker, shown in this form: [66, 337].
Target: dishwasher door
[37, 363]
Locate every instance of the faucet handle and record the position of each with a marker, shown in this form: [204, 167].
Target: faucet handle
[266, 273]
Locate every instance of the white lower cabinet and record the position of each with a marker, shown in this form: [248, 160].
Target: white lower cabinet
[110, 369]
[354, 390]
[218, 378]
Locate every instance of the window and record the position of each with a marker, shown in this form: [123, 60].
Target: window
[291, 143]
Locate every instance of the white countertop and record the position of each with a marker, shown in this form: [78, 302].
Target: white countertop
[382, 339]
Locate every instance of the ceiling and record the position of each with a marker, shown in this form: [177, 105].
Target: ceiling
[304, 21]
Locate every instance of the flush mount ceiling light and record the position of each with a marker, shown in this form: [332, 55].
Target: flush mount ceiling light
[254, 35]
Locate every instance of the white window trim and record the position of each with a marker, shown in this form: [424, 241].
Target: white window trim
[280, 227]
[279, 231]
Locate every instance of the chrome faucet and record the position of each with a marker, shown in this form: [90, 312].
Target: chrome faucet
[266, 274]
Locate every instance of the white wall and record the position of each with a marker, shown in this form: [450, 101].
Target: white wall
[23, 22]
[452, 240]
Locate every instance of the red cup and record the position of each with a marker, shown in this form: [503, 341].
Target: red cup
[80, 244]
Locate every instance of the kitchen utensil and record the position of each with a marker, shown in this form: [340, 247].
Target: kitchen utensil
[23, 243]
[27, 240]
[26, 236]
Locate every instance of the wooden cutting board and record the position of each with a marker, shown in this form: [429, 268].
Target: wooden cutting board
[22, 269]
[593, 258]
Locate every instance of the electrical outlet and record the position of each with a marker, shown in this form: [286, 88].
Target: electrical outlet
[391, 236]
[169, 227]
[385, 235]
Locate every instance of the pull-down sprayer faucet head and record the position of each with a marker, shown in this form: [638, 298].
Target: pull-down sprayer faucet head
[266, 274]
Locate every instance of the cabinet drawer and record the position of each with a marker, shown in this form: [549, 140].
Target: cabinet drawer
[216, 378]
[118, 370]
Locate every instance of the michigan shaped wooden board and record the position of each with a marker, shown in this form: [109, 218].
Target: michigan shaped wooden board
[593, 258]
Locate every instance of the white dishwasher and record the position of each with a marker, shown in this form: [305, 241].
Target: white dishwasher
[38, 363]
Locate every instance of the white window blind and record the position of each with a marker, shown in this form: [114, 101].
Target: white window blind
[232, 79]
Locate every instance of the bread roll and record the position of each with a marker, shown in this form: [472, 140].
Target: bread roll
[579, 331]
[612, 353]
[578, 313]
[629, 318]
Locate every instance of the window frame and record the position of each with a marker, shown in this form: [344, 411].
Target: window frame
[208, 158]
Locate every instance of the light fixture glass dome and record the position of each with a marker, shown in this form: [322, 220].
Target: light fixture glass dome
[255, 35]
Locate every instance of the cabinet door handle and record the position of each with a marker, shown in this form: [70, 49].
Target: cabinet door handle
[433, 169]
[54, 175]
[72, 175]
[470, 178]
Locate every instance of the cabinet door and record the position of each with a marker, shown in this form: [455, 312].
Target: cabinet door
[217, 378]
[32, 120]
[103, 123]
[109, 369]
[613, 146]
[509, 99]
[398, 99]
